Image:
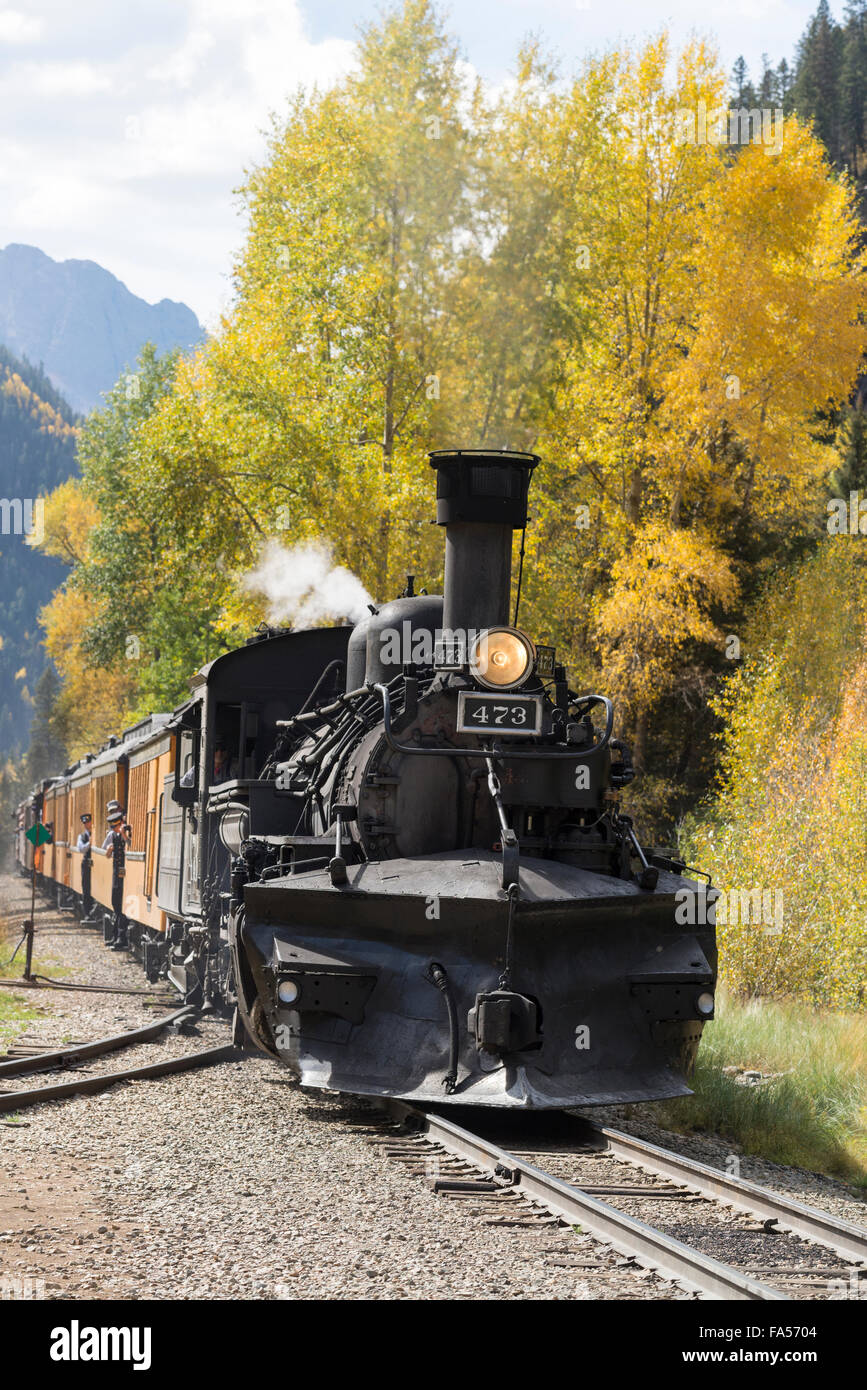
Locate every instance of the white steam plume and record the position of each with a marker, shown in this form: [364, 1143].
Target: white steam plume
[304, 586]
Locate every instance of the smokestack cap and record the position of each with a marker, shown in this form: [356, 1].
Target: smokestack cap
[483, 485]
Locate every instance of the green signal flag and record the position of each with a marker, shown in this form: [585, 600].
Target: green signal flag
[38, 834]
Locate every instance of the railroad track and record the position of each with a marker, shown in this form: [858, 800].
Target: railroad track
[655, 1208]
[71, 1057]
[714, 1234]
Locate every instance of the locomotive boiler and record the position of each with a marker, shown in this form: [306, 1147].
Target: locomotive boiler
[433, 891]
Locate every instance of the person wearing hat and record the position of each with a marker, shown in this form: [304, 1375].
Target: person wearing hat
[115, 810]
[85, 849]
[115, 845]
[223, 763]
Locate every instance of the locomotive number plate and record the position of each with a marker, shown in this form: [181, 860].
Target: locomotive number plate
[499, 714]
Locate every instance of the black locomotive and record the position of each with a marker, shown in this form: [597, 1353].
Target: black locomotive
[415, 879]
[461, 912]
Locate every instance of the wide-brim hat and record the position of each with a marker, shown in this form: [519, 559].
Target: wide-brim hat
[114, 806]
[115, 818]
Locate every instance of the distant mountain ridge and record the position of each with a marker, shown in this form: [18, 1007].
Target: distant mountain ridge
[81, 323]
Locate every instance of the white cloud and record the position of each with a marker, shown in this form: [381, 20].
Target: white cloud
[16, 27]
[70, 198]
[60, 79]
[125, 131]
[276, 56]
[128, 151]
[183, 65]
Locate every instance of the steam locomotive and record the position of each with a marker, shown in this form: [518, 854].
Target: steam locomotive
[407, 871]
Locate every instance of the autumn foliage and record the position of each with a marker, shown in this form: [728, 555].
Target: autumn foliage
[672, 325]
[42, 413]
[791, 806]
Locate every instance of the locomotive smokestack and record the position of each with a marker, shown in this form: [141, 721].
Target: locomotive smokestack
[481, 500]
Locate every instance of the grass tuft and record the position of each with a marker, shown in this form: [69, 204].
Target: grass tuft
[15, 1008]
[814, 1115]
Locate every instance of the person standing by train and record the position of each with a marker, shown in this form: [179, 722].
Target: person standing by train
[115, 845]
[85, 849]
[115, 809]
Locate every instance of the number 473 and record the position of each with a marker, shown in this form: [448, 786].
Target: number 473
[500, 713]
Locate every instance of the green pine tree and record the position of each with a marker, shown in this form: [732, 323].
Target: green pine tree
[785, 78]
[742, 90]
[815, 91]
[853, 85]
[46, 755]
[850, 475]
[767, 93]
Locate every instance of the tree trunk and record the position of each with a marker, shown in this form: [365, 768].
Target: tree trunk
[388, 412]
[633, 497]
[639, 742]
[677, 499]
[385, 519]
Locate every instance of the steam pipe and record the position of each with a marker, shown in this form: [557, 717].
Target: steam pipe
[481, 500]
[478, 576]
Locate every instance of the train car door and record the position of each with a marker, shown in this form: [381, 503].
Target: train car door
[171, 849]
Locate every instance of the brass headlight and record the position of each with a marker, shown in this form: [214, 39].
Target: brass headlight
[502, 657]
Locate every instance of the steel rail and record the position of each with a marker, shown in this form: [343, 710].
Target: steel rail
[843, 1237]
[90, 1085]
[68, 1056]
[651, 1248]
[43, 982]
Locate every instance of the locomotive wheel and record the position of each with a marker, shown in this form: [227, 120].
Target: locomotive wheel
[257, 1026]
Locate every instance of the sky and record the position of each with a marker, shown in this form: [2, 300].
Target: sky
[125, 128]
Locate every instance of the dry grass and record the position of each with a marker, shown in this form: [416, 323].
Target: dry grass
[813, 1116]
[17, 1008]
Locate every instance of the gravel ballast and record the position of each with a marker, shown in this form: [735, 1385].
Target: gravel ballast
[231, 1183]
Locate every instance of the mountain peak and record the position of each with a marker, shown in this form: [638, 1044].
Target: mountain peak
[81, 322]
